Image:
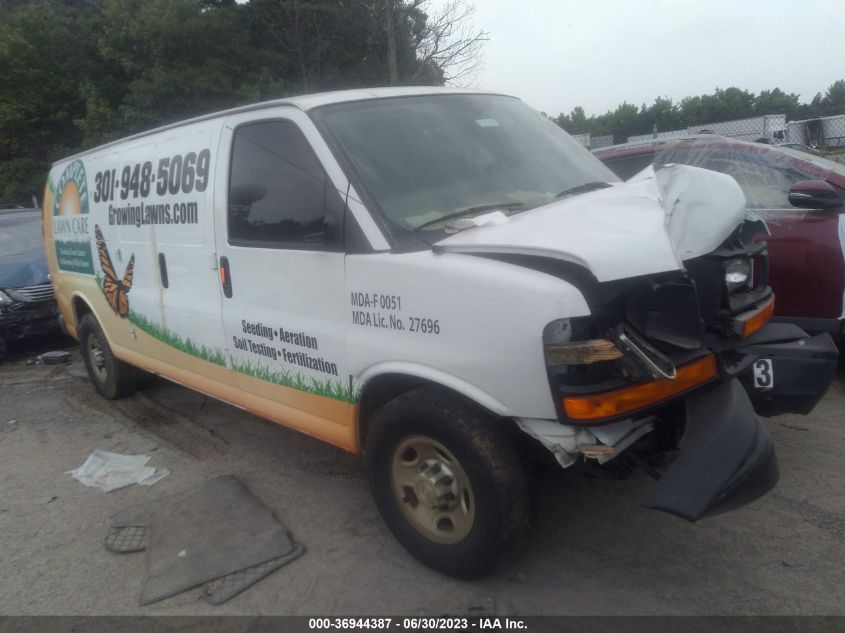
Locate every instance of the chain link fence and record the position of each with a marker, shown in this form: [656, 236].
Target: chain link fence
[824, 134]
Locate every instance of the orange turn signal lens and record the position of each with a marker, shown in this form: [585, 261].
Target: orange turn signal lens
[753, 321]
[614, 403]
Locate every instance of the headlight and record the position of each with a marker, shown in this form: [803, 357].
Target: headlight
[560, 349]
[738, 274]
[5, 299]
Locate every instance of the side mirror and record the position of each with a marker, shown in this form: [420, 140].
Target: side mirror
[814, 194]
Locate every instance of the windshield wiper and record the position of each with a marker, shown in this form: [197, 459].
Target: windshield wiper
[587, 186]
[470, 210]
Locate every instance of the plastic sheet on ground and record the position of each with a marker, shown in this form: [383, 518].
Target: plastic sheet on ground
[113, 471]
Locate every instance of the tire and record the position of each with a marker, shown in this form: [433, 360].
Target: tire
[111, 377]
[447, 481]
[4, 350]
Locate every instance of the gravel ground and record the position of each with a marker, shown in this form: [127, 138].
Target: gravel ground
[593, 551]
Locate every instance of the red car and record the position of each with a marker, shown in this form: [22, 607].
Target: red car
[800, 196]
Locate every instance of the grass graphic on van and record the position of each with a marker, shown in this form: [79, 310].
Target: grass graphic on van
[334, 389]
[174, 340]
[170, 338]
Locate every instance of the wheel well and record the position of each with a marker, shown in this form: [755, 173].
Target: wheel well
[80, 309]
[378, 392]
[384, 388]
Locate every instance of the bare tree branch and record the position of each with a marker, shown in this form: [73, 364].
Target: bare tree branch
[451, 42]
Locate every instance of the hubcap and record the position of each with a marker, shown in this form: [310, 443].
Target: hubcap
[432, 490]
[95, 354]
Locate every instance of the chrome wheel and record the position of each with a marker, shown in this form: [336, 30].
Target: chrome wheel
[432, 489]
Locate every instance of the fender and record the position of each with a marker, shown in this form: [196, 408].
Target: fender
[73, 330]
[436, 376]
[73, 324]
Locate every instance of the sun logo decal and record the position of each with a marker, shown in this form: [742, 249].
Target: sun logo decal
[70, 221]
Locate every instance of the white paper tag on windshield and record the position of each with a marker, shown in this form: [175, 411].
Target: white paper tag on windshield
[487, 122]
[496, 217]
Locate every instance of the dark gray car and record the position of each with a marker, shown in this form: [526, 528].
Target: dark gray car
[27, 303]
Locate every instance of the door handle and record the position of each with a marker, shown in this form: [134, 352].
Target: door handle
[225, 277]
[162, 269]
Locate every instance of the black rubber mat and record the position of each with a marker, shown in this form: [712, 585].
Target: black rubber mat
[220, 590]
[125, 540]
[214, 531]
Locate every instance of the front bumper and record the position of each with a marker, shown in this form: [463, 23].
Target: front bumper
[29, 319]
[783, 369]
[726, 459]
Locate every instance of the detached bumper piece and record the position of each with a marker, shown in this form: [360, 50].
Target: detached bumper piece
[784, 369]
[726, 459]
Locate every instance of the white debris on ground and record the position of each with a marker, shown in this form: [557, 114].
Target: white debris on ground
[113, 471]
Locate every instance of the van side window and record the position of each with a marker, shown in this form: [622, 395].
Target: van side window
[277, 190]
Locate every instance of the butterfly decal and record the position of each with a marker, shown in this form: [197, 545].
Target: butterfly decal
[116, 290]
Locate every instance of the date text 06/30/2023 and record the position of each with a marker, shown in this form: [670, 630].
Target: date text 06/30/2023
[418, 624]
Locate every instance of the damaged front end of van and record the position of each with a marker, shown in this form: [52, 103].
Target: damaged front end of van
[677, 359]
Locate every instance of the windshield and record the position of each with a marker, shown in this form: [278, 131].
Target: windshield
[20, 234]
[430, 157]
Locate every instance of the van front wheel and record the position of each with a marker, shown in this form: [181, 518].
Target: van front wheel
[111, 377]
[447, 481]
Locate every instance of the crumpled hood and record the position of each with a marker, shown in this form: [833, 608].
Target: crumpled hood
[649, 224]
[24, 269]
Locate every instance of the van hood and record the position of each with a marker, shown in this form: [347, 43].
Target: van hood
[649, 224]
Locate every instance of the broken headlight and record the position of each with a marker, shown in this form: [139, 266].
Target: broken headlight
[739, 274]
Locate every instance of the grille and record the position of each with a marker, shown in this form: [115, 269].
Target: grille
[32, 294]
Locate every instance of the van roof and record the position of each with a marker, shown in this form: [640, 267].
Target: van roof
[303, 102]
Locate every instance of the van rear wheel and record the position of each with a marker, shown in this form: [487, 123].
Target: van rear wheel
[447, 481]
[111, 377]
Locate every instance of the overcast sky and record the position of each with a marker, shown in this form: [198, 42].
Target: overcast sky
[557, 54]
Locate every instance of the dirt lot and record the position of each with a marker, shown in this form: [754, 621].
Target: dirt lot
[594, 550]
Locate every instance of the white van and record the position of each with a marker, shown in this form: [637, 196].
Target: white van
[439, 279]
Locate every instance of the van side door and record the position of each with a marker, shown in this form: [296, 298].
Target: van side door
[279, 234]
[155, 235]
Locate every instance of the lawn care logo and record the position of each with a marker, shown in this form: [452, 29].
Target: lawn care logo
[71, 232]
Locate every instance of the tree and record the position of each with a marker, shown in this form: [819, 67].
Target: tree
[43, 50]
[575, 122]
[776, 101]
[320, 45]
[444, 47]
[663, 114]
[450, 43]
[833, 101]
[625, 121]
[172, 59]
